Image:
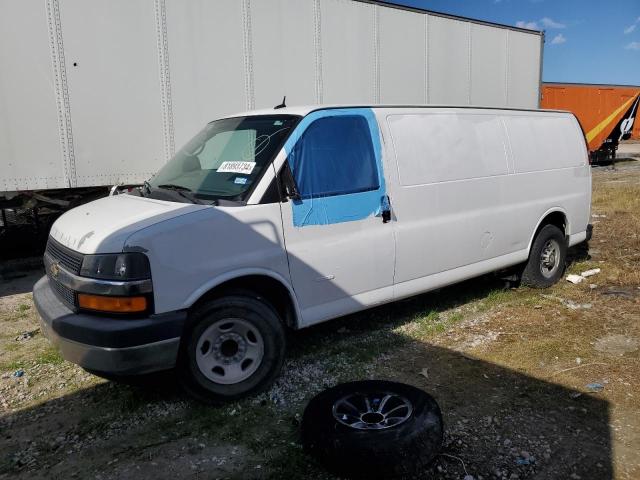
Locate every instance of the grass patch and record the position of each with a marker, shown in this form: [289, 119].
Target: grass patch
[453, 302]
[12, 365]
[371, 347]
[11, 347]
[530, 298]
[581, 266]
[617, 236]
[494, 298]
[432, 323]
[50, 356]
[430, 318]
[618, 197]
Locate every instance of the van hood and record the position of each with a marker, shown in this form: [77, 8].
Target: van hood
[104, 225]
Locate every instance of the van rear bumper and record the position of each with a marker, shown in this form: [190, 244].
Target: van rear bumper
[589, 232]
[120, 346]
[577, 238]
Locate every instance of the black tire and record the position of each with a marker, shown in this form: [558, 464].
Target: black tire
[397, 451]
[266, 324]
[535, 273]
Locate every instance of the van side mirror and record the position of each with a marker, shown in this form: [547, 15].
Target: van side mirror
[288, 183]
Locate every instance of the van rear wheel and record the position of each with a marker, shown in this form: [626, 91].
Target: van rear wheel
[547, 258]
[235, 348]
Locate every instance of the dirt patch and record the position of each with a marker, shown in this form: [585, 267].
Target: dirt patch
[617, 344]
[629, 293]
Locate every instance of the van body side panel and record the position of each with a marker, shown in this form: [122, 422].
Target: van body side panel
[450, 185]
[192, 253]
[340, 268]
[551, 172]
[469, 188]
[459, 274]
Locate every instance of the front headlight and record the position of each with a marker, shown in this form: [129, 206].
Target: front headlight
[116, 266]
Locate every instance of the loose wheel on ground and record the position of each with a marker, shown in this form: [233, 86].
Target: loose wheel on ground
[373, 429]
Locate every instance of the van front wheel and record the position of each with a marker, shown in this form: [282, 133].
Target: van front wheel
[235, 348]
[547, 258]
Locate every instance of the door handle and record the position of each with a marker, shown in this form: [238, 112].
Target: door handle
[386, 209]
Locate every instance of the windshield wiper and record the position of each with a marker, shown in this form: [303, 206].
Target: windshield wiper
[182, 191]
[146, 188]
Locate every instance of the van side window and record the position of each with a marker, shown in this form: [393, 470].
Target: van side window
[335, 156]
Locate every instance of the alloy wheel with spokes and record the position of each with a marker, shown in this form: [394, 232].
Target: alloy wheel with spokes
[372, 411]
[373, 429]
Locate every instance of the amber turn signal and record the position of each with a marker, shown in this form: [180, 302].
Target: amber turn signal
[112, 304]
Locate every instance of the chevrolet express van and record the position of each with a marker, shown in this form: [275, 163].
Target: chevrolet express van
[285, 218]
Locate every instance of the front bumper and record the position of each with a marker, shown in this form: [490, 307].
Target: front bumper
[119, 346]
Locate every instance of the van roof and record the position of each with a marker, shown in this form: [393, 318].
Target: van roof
[302, 110]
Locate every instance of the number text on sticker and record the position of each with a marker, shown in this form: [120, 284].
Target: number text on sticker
[236, 167]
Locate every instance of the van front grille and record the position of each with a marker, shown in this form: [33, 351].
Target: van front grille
[70, 261]
[67, 258]
[65, 294]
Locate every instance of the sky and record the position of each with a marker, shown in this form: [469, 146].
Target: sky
[586, 41]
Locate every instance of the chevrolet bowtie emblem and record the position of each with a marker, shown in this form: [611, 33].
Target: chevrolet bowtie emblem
[54, 269]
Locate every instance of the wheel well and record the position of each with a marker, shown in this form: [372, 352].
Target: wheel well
[554, 218]
[262, 286]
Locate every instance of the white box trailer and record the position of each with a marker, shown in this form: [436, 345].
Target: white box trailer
[99, 92]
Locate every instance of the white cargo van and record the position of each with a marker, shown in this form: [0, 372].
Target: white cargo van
[290, 217]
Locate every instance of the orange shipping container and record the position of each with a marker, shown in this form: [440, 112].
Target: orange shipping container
[605, 111]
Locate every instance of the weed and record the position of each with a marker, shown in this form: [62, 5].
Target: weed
[50, 356]
[432, 317]
[12, 365]
[11, 347]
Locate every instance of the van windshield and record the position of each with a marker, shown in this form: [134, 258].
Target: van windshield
[222, 162]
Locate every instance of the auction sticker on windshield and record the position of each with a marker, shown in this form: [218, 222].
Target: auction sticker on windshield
[236, 167]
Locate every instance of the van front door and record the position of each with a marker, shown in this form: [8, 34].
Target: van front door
[339, 245]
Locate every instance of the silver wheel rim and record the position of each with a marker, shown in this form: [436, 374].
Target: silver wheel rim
[372, 411]
[229, 351]
[550, 258]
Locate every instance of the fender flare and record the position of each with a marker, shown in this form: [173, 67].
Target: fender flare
[545, 215]
[245, 272]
